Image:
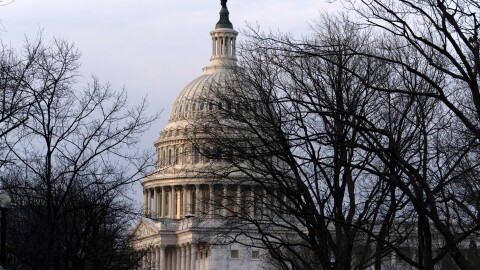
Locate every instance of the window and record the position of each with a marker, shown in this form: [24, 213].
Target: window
[218, 152]
[234, 254]
[207, 153]
[255, 254]
[195, 155]
[164, 157]
[177, 151]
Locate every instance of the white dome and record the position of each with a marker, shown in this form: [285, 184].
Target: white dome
[198, 96]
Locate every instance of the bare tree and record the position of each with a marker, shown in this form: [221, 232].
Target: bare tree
[16, 96]
[344, 154]
[285, 129]
[74, 159]
[424, 41]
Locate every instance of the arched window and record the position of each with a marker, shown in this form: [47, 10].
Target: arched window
[163, 157]
[169, 156]
[229, 153]
[177, 150]
[159, 158]
[207, 153]
[195, 155]
[218, 152]
[186, 155]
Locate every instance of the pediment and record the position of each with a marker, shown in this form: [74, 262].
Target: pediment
[144, 228]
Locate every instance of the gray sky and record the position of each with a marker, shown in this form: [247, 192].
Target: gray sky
[152, 47]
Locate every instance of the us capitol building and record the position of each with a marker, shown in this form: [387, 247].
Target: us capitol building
[178, 223]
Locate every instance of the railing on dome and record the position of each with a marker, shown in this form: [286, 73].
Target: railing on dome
[167, 224]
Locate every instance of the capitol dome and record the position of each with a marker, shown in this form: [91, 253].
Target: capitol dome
[199, 97]
[177, 154]
[183, 204]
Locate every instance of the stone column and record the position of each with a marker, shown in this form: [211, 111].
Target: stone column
[227, 47]
[144, 261]
[145, 206]
[168, 258]
[225, 200]
[204, 261]
[156, 264]
[164, 199]
[275, 205]
[178, 250]
[188, 256]
[154, 206]
[173, 253]
[149, 260]
[251, 203]
[190, 196]
[163, 256]
[211, 200]
[160, 198]
[213, 46]
[193, 256]
[173, 200]
[265, 203]
[198, 261]
[149, 202]
[197, 200]
[184, 201]
[183, 250]
[239, 199]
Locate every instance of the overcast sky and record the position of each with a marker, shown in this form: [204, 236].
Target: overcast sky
[152, 47]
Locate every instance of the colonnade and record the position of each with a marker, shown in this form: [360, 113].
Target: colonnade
[189, 256]
[223, 43]
[176, 201]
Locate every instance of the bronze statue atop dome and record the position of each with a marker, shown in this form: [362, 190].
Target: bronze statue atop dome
[224, 21]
